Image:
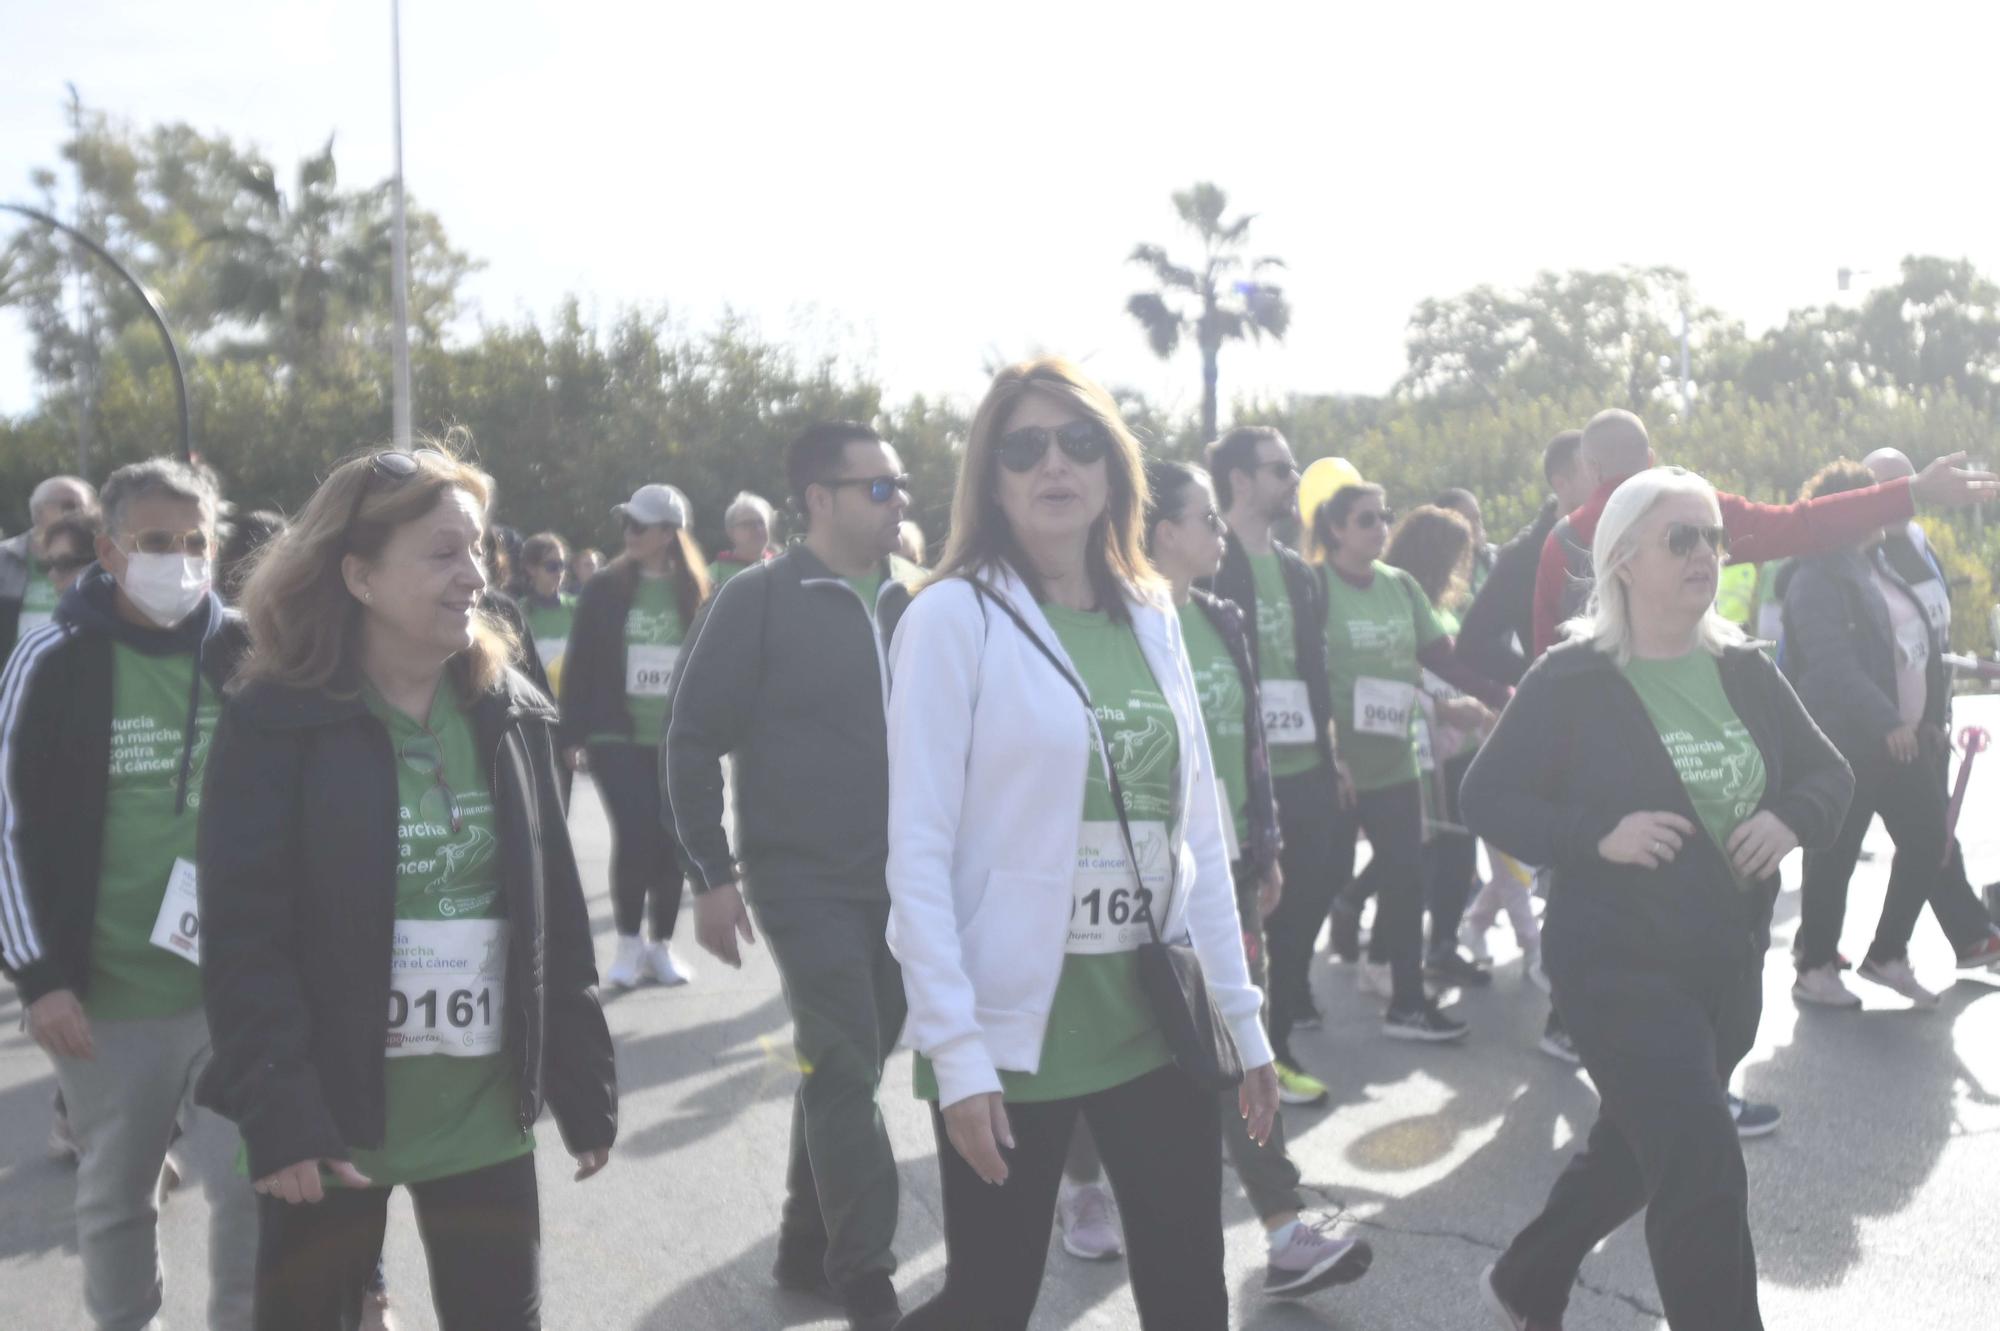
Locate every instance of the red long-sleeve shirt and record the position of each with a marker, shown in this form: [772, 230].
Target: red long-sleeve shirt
[1757, 532]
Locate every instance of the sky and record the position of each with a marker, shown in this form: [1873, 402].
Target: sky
[927, 189]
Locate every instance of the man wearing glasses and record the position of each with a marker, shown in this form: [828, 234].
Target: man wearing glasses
[105, 719]
[787, 670]
[28, 596]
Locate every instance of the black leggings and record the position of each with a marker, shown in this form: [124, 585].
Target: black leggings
[482, 1234]
[1394, 820]
[1451, 863]
[645, 860]
[1157, 1134]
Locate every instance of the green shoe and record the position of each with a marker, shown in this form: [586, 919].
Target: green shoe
[1298, 1088]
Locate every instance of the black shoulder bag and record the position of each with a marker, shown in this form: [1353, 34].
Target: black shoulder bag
[1169, 973]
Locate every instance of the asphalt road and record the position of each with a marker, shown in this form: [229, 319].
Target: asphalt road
[1873, 1206]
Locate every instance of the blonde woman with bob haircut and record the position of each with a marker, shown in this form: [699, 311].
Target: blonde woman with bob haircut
[396, 958]
[1016, 904]
[1662, 768]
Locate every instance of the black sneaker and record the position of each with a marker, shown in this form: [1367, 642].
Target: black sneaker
[1424, 1023]
[1346, 930]
[871, 1303]
[1453, 968]
[801, 1265]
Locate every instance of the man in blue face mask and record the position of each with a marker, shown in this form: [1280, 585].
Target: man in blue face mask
[105, 718]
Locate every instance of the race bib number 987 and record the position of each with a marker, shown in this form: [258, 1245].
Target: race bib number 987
[448, 988]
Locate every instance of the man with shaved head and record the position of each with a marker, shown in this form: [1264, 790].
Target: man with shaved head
[1616, 447]
[27, 596]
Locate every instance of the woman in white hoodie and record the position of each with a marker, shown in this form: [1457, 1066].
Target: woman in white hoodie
[1014, 910]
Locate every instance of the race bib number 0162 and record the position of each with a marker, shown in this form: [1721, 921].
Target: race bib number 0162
[1108, 911]
[1382, 707]
[448, 988]
[1287, 711]
[649, 669]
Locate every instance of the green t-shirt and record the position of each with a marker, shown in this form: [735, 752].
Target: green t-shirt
[1373, 635]
[653, 635]
[1288, 722]
[447, 1113]
[722, 568]
[1220, 691]
[1101, 1032]
[867, 588]
[38, 602]
[1719, 763]
[131, 976]
[548, 625]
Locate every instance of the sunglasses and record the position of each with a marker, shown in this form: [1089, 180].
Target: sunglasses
[633, 526]
[425, 754]
[1283, 470]
[881, 489]
[389, 469]
[1082, 442]
[1682, 537]
[1368, 518]
[156, 541]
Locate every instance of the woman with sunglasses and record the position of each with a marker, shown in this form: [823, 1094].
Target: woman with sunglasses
[1020, 888]
[1381, 634]
[1661, 767]
[546, 609]
[619, 666]
[396, 954]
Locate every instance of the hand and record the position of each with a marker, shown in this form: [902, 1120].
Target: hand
[1758, 844]
[977, 1126]
[1343, 785]
[719, 916]
[57, 1023]
[1902, 742]
[1258, 1101]
[1946, 484]
[1464, 713]
[577, 759]
[589, 1162]
[1648, 840]
[300, 1182]
[1270, 891]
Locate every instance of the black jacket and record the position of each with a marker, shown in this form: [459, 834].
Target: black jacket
[1840, 652]
[55, 744]
[789, 672]
[1498, 630]
[1575, 752]
[297, 872]
[1235, 582]
[1266, 843]
[593, 673]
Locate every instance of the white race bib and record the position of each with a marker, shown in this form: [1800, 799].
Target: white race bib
[1107, 912]
[1913, 646]
[550, 650]
[1426, 755]
[1288, 717]
[177, 928]
[1931, 594]
[1382, 707]
[448, 988]
[649, 669]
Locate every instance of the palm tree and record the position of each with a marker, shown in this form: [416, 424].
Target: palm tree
[1223, 298]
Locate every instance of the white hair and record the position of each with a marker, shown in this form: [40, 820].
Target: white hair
[45, 492]
[747, 505]
[1607, 620]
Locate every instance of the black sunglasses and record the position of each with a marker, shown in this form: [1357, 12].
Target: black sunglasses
[1082, 442]
[1682, 537]
[633, 526]
[389, 469]
[881, 489]
[1367, 518]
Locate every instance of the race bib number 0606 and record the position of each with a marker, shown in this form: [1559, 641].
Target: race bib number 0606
[1382, 707]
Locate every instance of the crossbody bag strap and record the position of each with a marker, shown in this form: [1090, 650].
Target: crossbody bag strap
[1110, 766]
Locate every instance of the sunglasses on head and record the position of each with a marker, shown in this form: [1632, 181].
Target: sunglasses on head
[1367, 518]
[425, 754]
[1082, 442]
[881, 489]
[1682, 537]
[388, 470]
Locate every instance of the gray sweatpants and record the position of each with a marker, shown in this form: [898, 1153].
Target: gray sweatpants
[123, 1105]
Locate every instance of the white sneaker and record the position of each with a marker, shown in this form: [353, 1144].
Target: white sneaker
[1897, 975]
[1373, 977]
[1088, 1215]
[626, 970]
[1822, 985]
[1474, 942]
[659, 963]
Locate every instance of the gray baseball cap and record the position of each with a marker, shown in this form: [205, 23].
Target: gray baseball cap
[655, 505]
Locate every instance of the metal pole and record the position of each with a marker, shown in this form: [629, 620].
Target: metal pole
[145, 300]
[1686, 391]
[400, 238]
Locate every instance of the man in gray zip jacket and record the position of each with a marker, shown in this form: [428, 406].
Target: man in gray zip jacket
[786, 669]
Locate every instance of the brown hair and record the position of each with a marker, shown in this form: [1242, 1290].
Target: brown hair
[1433, 544]
[980, 536]
[687, 567]
[1332, 515]
[1837, 477]
[539, 547]
[302, 618]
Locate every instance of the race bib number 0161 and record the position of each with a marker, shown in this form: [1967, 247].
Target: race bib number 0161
[1108, 911]
[1382, 707]
[448, 988]
[649, 669]
[1287, 711]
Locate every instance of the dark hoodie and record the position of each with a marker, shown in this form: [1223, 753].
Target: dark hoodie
[55, 762]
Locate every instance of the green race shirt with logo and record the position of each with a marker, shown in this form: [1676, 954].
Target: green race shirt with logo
[1220, 689]
[449, 1110]
[1101, 1032]
[548, 623]
[1719, 763]
[653, 636]
[38, 603]
[1288, 723]
[1373, 635]
[145, 836]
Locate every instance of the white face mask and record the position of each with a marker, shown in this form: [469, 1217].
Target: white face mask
[166, 588]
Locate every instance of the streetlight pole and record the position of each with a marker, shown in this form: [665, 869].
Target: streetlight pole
[400, 240]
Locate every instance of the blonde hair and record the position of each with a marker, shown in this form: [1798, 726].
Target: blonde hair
[1607, 620]
[980, 535]
[304, 622]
